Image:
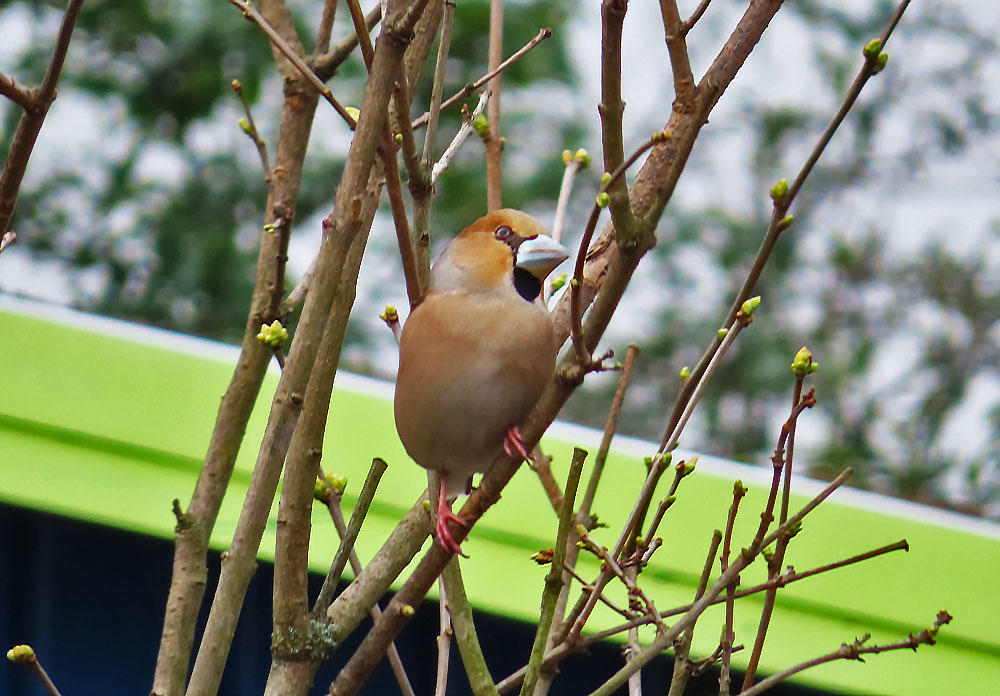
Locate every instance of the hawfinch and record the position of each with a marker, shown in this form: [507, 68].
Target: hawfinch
[475, 355]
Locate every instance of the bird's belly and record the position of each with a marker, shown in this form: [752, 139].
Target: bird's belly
[461, 386]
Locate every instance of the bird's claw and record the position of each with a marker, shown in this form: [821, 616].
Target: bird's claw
[443, 534]
[512, 443]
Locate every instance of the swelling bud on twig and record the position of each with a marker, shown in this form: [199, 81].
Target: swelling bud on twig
[389, 314]
[244, 125]
[803, 364]
[721, 334]
[567, 156]
[779, 191]
[482, 126]
[321, 491]
[750, 305]
[660, 136]
[605, 178]
[880, 62]
[872, 48]
[273, 335]
[237, 85]
[353, 112]
[685, 373]
[20, 653]
[543, 556]
[785, 222]
[603, 199]
[583, 157]
[338, 484]
[686, 468]
[558, 282]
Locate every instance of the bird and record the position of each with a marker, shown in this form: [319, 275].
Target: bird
[475, 355]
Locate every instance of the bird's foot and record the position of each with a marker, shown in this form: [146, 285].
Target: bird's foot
[512, 443]
[444, 516]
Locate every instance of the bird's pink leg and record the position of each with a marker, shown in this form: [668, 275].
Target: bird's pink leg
[512, 443]
[444, 516]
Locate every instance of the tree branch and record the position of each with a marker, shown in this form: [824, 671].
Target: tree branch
[33, 117]
[854, 651]
[473, 86]
[708, 88]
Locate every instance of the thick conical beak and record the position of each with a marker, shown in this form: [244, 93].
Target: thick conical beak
[540, 255]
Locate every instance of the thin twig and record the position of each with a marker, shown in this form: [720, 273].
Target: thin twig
[683, 667]
[780, 220]
[775, 563]
[680, 63]
[19, 94]
[583, 353]
[556, 654]
[325, 66]
[696, 15]
[556, 577]
[337, 515]
[612, 110]
[31, 120]
[250, 12]
[473, 86]
[739, 490]
[325, 28]
[854, 651]
[565, 189]
[251, 131]
[340, 559]
[25, 655]
[746, 556]
[463, 132]
[438, 86]
[465, 632]
[494, 143]
[443, 642]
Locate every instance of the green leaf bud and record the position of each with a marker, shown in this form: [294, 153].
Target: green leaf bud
[803, 364]
[558, 282]
[567, 156]
[685, 372]
[389, 314]
[482, 126]
[407, 610]
[338, 484]
[244, 125]
[880, 62]
[779, 190]
[353, 112]
[583, 157]
[785, 222]
[20, 653]
[603, 199]
[605, 178]
[872, 49]
[237, 85]
[321, 491]
[750, 305]
[721, 334]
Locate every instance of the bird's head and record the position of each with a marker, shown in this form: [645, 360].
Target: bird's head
[504, 247]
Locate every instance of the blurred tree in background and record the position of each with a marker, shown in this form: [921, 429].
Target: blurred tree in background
[143, 197]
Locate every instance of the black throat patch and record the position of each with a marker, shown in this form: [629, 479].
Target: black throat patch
[527, 284]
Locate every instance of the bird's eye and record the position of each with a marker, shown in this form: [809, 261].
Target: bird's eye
[503, 232]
